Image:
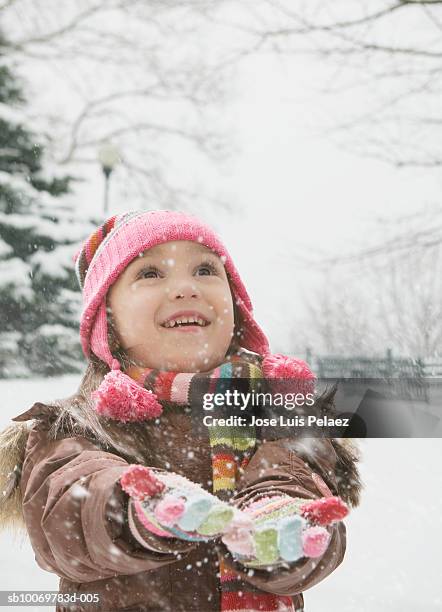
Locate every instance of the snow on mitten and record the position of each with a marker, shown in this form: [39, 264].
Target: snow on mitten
[285, 529]
[172, 506]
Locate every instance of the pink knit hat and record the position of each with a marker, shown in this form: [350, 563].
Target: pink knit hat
[108, 251]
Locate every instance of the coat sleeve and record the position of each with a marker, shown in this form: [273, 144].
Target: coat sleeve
[279, 467]
[76, 512]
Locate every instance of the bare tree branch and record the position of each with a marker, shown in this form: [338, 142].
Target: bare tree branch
[307, 27]
[135, 76]
[50, 36]
[416, 239]
[389, 56]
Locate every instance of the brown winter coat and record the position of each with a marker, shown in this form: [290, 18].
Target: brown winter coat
[75, 513]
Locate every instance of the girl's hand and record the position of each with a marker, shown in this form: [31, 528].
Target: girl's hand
[172, 506]
[284, 529]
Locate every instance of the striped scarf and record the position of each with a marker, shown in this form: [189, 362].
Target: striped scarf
[231, 449]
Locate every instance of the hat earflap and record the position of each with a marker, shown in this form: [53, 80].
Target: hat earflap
[119, 397]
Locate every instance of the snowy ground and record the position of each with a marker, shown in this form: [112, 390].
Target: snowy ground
[393, 557]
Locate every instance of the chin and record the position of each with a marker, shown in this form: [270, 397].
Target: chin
[192, 365]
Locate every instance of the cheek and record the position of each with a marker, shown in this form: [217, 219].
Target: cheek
[225, 312]
[133, 310]
[227, 318]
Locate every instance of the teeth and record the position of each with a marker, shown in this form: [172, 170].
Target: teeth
[182, 320]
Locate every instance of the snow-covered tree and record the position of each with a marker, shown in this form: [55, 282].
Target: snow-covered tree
[39, 234]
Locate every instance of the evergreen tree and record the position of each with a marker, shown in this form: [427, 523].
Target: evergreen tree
[39, 297]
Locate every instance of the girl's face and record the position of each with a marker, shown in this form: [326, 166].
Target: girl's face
[172, 308]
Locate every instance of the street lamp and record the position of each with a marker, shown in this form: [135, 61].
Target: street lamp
[108, 156]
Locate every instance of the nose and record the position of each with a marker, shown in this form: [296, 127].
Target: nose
[183, 290]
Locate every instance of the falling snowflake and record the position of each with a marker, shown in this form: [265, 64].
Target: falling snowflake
[79, 492]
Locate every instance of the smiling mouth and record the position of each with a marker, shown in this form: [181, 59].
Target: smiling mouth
[180, 322]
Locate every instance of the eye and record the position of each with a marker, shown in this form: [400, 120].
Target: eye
[149, 272]
[206, 269]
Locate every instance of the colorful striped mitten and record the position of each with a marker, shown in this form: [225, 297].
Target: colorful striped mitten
[172, 506]
[285, 529]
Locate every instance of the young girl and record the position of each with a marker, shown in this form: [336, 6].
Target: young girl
[119, 498]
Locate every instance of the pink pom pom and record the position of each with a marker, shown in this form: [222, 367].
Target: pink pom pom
[315, 541]
[169, 510]
[121, 398]
[325, 510]
[238, 536]
[139, 482]
[284, 367]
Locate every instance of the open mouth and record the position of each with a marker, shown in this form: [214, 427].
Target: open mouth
[185, 322]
